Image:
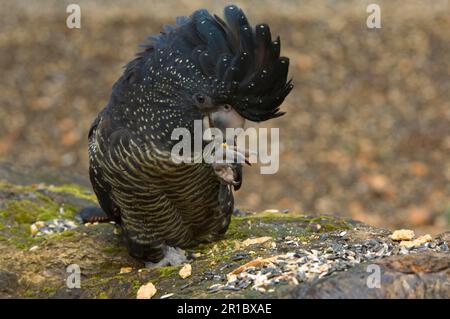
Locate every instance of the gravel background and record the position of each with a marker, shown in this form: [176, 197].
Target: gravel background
[367, 133]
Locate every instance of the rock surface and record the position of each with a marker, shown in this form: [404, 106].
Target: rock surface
[263, 255]
[424, 275]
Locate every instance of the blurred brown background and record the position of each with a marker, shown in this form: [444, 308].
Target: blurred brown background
[367, 133]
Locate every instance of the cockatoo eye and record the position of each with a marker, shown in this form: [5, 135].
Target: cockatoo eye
[199, 98]
[227, 107]
[203, 102]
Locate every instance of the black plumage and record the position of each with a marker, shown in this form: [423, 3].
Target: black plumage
[157, 202]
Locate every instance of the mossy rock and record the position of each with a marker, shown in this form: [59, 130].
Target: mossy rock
[101, 254]
[37, 266]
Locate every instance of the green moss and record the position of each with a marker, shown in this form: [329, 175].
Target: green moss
[114, 249]
[40, 292]
[13, 188]
[27, 211]
[168, 270]
[68, 234]
[48, 290]
[262, 224]
[29, 293]
[271, 216]
[102, 295]
[20, 214]
[21, 246]
[105, 284]
[100, 279]
[73, 189]
[327, 224]
[28, 204]
[278, 225]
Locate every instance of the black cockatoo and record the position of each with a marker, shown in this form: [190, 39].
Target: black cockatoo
[203, 68]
